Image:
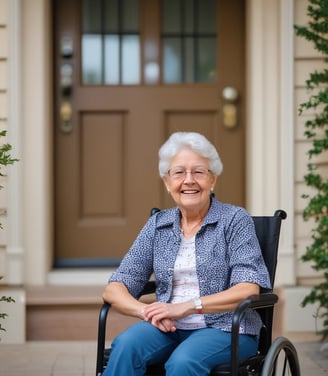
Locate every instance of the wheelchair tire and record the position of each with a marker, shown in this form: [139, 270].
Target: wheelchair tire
[281, 359]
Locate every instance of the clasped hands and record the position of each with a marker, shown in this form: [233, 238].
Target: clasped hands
[162, 315]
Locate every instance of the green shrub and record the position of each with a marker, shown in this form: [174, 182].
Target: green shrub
[5, 160]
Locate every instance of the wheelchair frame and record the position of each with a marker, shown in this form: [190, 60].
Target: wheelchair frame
[265, 363]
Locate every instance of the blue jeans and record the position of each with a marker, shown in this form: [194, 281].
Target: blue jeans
[185, 352]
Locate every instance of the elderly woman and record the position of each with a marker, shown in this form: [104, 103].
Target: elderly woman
[205, 258]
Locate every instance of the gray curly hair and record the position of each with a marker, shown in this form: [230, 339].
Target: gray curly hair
[188, 140]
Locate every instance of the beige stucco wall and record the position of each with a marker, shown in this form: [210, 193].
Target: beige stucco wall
[277, 65]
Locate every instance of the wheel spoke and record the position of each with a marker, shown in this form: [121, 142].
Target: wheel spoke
[281, 359]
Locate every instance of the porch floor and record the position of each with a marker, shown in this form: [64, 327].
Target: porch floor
[78, 358]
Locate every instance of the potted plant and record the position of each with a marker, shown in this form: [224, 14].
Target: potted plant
[5, 160]
[316, 131]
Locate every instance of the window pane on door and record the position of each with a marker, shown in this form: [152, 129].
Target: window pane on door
[206, 60]
[172, 60]
[130, 16]
[130, 60]
[110, 12]
[189, 60]
[189, 41]
[110, 42]
[207, 16]
[91, 15]
[112, 60]
[91, 58]
[171, 16]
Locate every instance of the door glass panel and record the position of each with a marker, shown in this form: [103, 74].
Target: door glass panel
[207, 16]
[111, 46]
[172, 60]
[112, 60]
[91, 16]
[91, 57]
[206, 60]
[110, 42]
[190, 60]
[171, 16]
[130, 22]
[189, 41]
[130, 60]
[111, 21]
[188, 20]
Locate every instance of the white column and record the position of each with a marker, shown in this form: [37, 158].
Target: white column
[270, 119]
[38, 170]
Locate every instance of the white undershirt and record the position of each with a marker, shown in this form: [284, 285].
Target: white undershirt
[185, 283]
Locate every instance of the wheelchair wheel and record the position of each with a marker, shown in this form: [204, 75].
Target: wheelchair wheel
[281, 359]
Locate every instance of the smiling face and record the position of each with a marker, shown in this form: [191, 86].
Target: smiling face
[190, 191]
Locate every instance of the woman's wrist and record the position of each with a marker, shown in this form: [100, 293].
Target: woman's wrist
[198, 306]
[141, 311]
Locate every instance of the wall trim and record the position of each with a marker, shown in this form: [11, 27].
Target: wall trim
[287, 261]
[270, 141]
[37, 118]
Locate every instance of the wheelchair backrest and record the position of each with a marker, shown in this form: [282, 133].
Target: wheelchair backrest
[268, 232]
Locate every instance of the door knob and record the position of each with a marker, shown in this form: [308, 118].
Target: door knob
[230, 94]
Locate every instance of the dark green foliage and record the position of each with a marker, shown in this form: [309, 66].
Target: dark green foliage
[7, 299]
[5, 160]
[316, 131]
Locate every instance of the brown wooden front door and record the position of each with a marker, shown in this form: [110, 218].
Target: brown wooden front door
[119, 92]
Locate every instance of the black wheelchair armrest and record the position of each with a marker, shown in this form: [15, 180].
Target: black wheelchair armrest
[102, 336]
[263, 300]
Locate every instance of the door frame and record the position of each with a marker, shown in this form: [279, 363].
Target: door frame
[269, 170]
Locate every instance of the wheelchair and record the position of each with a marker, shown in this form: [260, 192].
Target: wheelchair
[273, 358]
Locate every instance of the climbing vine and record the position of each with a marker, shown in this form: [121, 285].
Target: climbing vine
[316, 131]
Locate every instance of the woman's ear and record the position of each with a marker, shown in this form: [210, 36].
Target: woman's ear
[167, 185]
[214, 178]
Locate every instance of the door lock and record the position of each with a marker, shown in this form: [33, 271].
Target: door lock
[230, 96]
[66, 79]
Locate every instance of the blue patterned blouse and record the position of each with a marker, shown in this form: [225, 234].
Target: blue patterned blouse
[227, 253]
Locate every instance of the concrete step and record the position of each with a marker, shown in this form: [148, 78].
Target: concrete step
[71, 313]
[68, 313]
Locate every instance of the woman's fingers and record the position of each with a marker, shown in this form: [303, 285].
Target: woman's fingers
[165, 325]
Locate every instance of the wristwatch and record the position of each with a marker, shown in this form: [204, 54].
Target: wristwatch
[198, 305]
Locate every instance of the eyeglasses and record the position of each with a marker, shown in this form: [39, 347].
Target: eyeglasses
[198, 173]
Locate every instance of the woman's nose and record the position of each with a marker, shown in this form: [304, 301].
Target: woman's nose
[189, 176]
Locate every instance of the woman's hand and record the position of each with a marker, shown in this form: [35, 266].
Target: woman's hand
[165, 324]
[117, 294]
[162, 315]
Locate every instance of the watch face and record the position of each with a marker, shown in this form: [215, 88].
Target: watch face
[198, 303]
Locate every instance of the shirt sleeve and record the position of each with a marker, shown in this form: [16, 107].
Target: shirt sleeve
[246, 261]
[137, 265]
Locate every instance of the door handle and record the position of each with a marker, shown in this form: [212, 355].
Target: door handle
[65, 111]
[66, 84]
